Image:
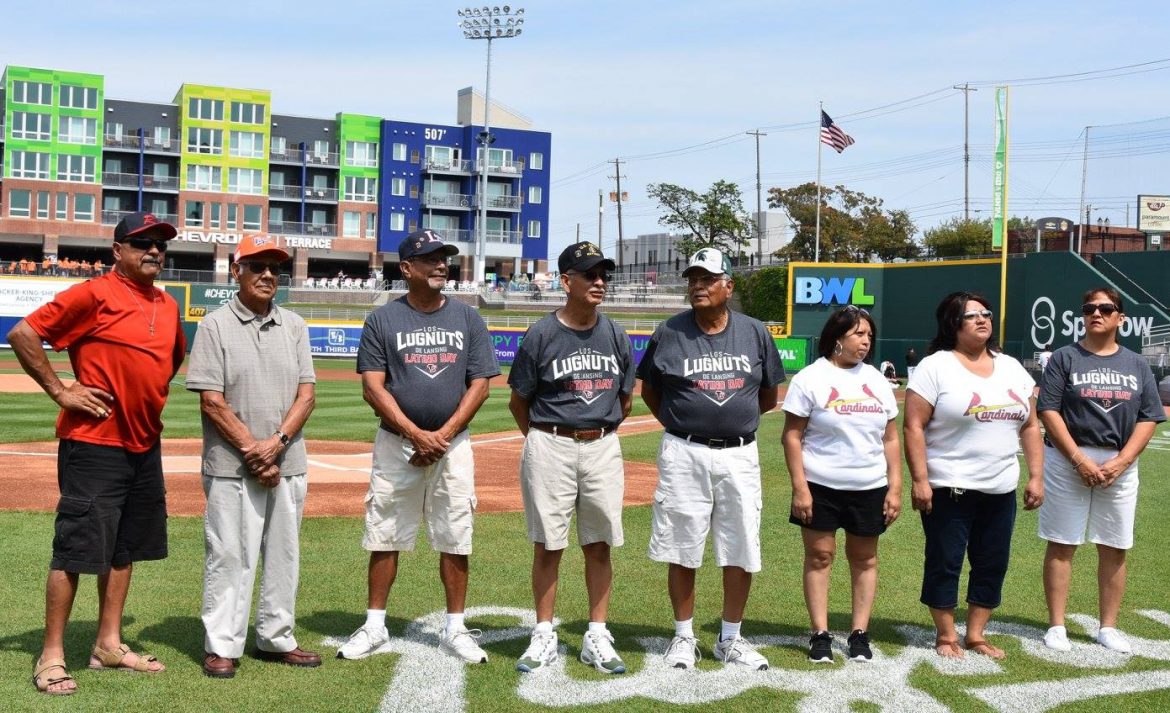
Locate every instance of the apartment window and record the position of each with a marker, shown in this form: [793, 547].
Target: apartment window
[351, 226]
[397, 221]
[193, 214]
[206, 141]
[216, 209]
[246, 113]
[398, 152]
[536, 161]
[245, 180]
[78, 130]
[441, 156]
[42, 205]
[162, 136]
[371, 225]
[276, 180]
[75, 168]
[251, 217]
[204, 178]
[78, 97]
[18, 203]
[246, 144]
[397, 186]
[62, 206]
[114, 129]
[233, 222]
[83, 204]
[361, 153]
[320, 182]
[211, 109]
[31, 126]
[275, 215]
[159, 207]
[30, 164]
[110, 165]
[279, 145]
[161, 170]
[32, 93]
[535, 194]
[358, 188]
[321, 148]
[497, 158]
[534, 228]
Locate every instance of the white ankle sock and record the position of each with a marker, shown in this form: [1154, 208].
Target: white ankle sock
[376, 618]
[730, 630]
[597, 627]
[685, 628]
[543, 627]
[454, 621]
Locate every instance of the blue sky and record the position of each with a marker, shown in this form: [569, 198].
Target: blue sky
[639, 80]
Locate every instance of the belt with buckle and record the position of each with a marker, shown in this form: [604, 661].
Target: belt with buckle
[577, 434]
[716, 443]
[385, 427]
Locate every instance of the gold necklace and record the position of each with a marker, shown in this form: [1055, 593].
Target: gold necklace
[153, 303]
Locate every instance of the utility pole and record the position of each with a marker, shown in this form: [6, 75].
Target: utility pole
[966, 89]
[600, 214]
[617, 175]
[759, 202]
[1084, 180]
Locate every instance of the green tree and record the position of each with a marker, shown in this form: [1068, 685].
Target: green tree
[713, 219]
[764, 294]
[958, 237]
[854, 226]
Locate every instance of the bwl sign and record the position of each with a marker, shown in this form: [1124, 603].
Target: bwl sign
[199, 236]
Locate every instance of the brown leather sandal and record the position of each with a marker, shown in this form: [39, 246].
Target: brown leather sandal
[102, 660]
[42, 681]
[983, 648]
[950, 644]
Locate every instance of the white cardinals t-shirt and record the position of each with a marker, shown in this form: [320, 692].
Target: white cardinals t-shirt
[973, 436]
[847, 411]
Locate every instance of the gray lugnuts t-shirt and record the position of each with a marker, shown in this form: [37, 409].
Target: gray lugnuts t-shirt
[429, 357]
[573, 377]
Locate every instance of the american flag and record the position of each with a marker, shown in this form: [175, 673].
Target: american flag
[832, 135]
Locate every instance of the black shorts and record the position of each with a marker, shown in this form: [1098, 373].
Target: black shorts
[858, 512]
[113, 508]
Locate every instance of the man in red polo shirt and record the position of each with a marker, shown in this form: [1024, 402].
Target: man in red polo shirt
[125, 344]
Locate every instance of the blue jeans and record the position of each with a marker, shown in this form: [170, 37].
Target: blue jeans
[979, 524]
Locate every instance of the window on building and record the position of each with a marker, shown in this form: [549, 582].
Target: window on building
[498, 227]
[32, 93]
[18, 203]
[443, 223]
[535, 194]
[321, 149]
[319, 217]
[161, 170]
[361, 153]
[246, 144]
[245, 180]
[397, 186]
[398, 152]
[206, 141]
[110, 165]
[114, 129]
[29, 164]
[83, 204]
[497, 158]
[397, 221]
[233, 223]
[279, 145]
[210, 109]
[162, 136]
[441, 156]
[193, 214]
[75, 168]
[320, 182]
[215, 215]
[159, 207]
[78, 97]
[275, 215]
[62, 206]
[42, 205]
[440, 188]
[78, 130]
[247, 113]
[252, 217]
[358, 188]
[534, 228]
[351, 226]
[276, 180]
[31, 126]
[371, 225]
[536, 161]
[204, 178]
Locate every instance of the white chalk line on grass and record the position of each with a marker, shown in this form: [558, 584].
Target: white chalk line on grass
[426, 680]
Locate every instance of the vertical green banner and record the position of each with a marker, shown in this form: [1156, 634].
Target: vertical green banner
[999, 186]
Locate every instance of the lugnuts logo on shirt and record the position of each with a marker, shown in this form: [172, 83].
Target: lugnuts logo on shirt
[430, 350]
[997, 412]
[868, 404]
[1105, 388]
[587, 373]
[719, 375]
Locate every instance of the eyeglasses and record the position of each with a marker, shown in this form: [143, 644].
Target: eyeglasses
[145, 244]
[854, 309]
[594, 275]
[1106, 308]
[984, 313]
[257, 268]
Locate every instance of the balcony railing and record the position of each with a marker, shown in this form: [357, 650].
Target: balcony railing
[328, 230]
[113, 217]
[130, 141]
[296, 193]
[292, 154]
[447, 166]
[287, 155]
[505, 236]
[502, 203]
[502, 168]
[458, 201]
[149, 183]
[457, 235]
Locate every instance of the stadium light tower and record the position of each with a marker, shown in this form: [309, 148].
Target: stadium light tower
[487, 23]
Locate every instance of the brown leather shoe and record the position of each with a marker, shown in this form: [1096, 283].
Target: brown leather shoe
[297, 657]
[219, 667]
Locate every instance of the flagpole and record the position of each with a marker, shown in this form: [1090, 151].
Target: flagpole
[817, 249]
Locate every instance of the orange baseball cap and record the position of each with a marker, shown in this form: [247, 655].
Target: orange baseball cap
[257, 244]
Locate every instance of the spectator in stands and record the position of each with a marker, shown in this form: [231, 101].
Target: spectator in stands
[86, 269]
[46, 265]
[98, 267]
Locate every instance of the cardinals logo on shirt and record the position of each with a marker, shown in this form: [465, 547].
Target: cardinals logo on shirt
[985, 413]
[869, 404]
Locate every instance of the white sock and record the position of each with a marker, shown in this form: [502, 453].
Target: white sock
[543, 627]
[685, 628]
[730, 630]
[454, 621]
[597, 627]
[376, 618]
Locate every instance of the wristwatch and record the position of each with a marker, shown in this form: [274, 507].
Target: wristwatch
[284, 439]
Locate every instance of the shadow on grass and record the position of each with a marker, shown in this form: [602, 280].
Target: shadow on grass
[181, 633]
[344, 623]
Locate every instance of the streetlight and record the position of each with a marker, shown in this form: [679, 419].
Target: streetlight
[487, 23]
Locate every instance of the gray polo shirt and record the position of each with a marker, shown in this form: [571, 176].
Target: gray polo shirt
[257, 363]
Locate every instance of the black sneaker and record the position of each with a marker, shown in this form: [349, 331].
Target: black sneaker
[820, 647]
[859, 646]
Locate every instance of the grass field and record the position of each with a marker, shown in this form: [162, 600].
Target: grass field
[164, 605]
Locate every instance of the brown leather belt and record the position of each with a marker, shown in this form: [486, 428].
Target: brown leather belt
[577, 434]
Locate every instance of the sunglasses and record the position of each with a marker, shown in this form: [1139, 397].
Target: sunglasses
[854, 309]
[257, 268]
[984, 313]
[145, 244]
[1106, 308]
[594, 275]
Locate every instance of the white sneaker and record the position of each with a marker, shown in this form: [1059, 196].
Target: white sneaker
[364, 642]
[541, 651]
[1056, 638]
[1114, 640]
[597, 651]
[737, 651]
[462, 645]
[683, 652]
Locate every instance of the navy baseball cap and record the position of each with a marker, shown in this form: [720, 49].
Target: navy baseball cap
[583, 256]
[140, 224]
[424, 242]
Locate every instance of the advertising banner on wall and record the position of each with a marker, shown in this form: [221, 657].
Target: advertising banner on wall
[1153, 214]
[999, 184]
[18, 298]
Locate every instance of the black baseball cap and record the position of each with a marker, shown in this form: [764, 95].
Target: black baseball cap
[583, 256]
[141, 224]
[424, 242]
